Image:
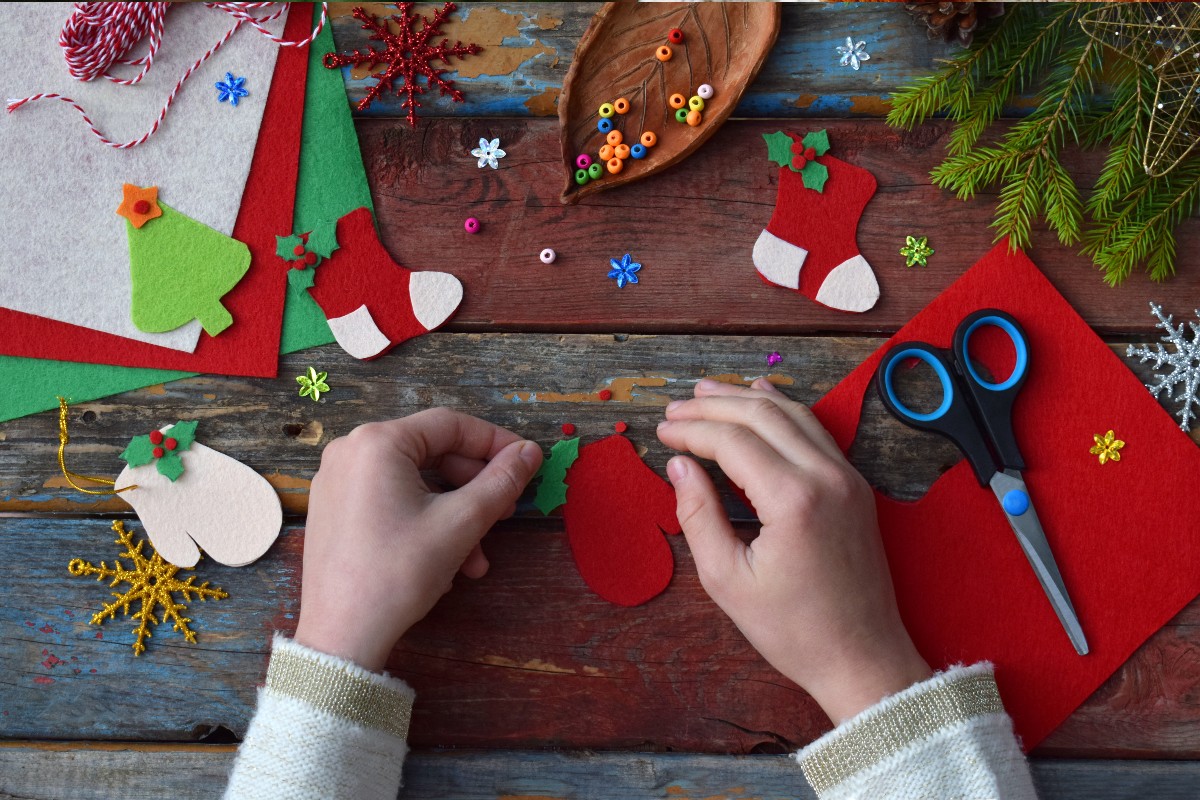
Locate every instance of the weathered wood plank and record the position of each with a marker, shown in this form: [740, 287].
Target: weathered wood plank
[34, 771]
[528, 48]
[693, 228]
[512, 660]
[532, 383]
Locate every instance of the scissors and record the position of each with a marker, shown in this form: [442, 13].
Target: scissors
[976, 415]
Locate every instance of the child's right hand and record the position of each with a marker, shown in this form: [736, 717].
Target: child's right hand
[812, 593]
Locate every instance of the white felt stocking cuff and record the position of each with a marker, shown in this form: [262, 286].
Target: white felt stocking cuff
[324, 728]
[947, 737]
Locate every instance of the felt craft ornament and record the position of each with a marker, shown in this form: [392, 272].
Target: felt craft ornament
[616, 512]
[371, 302]
[809, 246]
[180, 268]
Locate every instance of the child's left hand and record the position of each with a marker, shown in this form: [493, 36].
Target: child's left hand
[380, 546]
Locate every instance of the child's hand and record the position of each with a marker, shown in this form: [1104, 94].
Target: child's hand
[381, 547]
[812, 593]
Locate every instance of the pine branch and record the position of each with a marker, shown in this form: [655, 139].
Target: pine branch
[970, 172]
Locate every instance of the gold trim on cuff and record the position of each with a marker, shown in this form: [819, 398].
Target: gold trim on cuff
[339, 692]
[889, 731]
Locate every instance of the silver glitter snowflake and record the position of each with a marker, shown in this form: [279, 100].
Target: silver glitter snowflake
[853, 53]
[488, 152]
[1182, 384]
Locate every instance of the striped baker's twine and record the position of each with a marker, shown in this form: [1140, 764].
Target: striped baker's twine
[97, 38]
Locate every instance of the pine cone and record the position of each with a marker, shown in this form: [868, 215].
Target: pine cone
[953, 21]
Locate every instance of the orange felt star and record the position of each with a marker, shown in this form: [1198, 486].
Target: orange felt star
[139, 205]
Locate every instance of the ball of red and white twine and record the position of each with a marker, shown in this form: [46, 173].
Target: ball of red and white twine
[98, 36]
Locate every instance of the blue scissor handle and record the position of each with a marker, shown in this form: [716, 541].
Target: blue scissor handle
[952, 418]
[994, 401]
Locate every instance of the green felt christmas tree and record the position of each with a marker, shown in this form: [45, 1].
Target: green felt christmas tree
[179, 268]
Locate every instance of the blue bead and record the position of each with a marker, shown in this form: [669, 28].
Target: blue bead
[604, 125]
[638, 151]
[1015, 503]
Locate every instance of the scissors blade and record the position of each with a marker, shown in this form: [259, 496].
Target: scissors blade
[1033, 541]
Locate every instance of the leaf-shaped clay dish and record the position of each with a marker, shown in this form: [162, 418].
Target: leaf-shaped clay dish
[724, 46]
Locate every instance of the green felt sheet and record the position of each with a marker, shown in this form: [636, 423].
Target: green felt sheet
[332, 182]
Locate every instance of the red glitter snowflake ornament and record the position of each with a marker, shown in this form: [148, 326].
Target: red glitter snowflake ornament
[407, 54]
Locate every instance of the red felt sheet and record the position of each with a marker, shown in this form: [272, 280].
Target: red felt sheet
[1126, 535]
[251, 345]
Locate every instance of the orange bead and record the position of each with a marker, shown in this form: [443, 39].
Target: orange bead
[663, 53]
[677, 100]
[621, 151]
[607, 152]
[614, 138]
[621, 105]
[693, 118]
[649, 139]
[615, 165]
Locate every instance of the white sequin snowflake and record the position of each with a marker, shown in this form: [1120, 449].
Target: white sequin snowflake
[853, 53]
[1182, 384]
[488, 152]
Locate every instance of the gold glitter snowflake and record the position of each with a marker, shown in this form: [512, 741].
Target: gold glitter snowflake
[1107, 447]
[150, 580]
[916, 251]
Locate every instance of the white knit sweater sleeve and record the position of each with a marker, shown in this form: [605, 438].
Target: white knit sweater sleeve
[324, 728]
[946, 738]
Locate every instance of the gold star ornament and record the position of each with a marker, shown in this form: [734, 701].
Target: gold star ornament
[1107, 447]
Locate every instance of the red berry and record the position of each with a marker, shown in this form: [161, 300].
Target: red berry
[298, 249]
[158, 452]
[798, 163]
[141, 207]
[171, 444]
[620, 427]
[675, 36]
[568, 428]
[810, 153]
[605, 394]
[311, 258]
[156, 437]
[797, 148]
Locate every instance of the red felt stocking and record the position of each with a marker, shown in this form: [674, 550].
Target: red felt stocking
[616, 512]
[372, 303]
[809, 244]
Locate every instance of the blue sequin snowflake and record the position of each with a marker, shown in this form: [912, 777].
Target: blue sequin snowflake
[231, 89]
[624, 271]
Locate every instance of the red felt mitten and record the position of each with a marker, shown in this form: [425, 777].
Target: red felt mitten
[616, 513]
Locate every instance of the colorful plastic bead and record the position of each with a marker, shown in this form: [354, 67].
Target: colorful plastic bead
[615, 165]
[681, 115]
[606, 110]
[675, 36]
[677, 100]
[614, 138]
[649, 138]
[581, 176]
[596, 171]
[696, 103]
[607, 152]
[604, 125]
[583, 161]
[705, 92]
[694, 118]
[638, 151]
[621, 151]
[621, 427]
[568, 428]
[471, 225]
[547, 256]
[663, 53]
[621, 105]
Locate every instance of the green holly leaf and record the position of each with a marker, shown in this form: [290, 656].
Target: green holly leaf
[552, 491]
[814, 176]
[285, 247]
[139, 451]
[170, 465]
[323, 239]
[184, 433]
[779, 148]
[301, 279]
[817, 140]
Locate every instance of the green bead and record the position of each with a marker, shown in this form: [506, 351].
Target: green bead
[596, 171]
[696, 103]
[681, 115]
[607, 110]
[581, 176]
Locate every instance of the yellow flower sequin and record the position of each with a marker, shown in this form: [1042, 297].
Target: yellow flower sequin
[1107, 447]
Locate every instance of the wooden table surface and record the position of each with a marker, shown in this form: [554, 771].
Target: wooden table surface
[543, 689]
